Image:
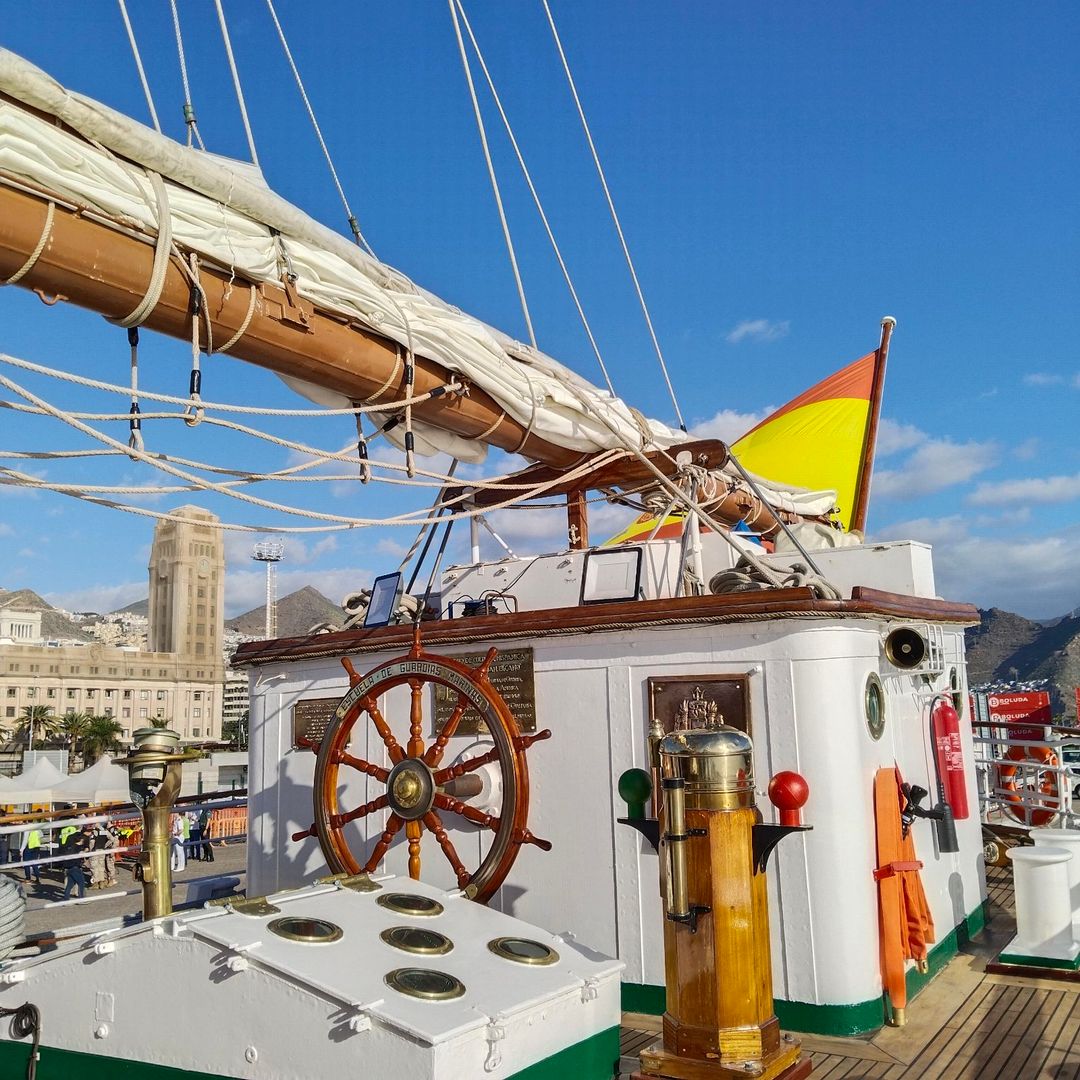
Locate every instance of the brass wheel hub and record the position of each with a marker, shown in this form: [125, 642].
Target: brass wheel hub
[410, 789]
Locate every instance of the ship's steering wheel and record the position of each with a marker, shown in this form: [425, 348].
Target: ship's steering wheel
[418, 788]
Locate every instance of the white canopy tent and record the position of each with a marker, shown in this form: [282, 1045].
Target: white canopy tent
[104, 781]
[35, 785]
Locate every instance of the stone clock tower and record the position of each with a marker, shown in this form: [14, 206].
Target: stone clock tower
[187, 586]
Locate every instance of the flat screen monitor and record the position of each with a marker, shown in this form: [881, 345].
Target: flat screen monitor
[611, 575]
[385, 598]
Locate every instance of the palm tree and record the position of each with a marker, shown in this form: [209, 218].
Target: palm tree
[102, 734]
[37, 720]
[73, 727]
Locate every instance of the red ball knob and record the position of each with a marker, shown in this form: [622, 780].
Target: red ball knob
[788, 792]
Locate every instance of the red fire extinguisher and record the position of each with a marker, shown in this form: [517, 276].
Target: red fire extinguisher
[945, 725]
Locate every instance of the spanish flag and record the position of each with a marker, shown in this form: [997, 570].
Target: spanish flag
[819, 439]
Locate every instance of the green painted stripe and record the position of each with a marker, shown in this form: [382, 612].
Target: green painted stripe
[594, 1058]
[855, 1019]
[1039, 961]
[55, 1064]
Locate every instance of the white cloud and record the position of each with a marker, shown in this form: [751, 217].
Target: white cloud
[935, 465]
[1051, 489]
[728, 424]
[1039, 578]
[758, 330]
[926, 530]
[1041, 378]
[1027, 450]
[100, 598]
[6, 529]
[893, 437]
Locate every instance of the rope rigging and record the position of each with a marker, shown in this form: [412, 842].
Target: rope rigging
[536, 199]
[189, 108]
[614, 213]
[491, 170]
[139, 65]
[687, 488]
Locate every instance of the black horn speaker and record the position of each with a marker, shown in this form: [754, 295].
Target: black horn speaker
[905, 647]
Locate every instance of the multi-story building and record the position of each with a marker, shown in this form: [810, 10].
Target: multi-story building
[180, 679]
[21, 627]
[133, 687]
[187, 585]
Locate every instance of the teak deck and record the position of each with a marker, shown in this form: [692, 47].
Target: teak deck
[966, 1025]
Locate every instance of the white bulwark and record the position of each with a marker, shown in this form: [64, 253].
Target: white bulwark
[807, 667]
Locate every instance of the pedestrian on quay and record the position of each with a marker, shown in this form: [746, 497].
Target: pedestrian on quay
[179, 856]
[204, 830]
[112, 837]
[78, 844]
[100, 841]
[195, 831]
[31, 850]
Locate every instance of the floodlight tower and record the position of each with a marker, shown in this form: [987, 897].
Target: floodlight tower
[270, 552]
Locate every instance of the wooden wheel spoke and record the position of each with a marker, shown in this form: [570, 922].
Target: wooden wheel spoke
[469, 690]
[438, 747]
[435, 825]
[393, 748]
[416, 719]
[377, 771]
[413, 831]
[393, 826]
[337, 820]
[443, 776]
[456, 806]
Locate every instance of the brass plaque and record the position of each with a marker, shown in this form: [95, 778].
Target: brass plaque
[683, 701]
[512, 676]
[311, 717]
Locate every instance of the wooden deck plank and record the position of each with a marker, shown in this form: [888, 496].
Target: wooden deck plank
[997, 1051]
[1060, 1048]
[951, 1051]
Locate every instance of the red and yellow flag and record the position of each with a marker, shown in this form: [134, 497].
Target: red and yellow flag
[816, 441]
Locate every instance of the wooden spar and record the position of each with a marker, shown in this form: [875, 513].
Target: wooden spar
[107, 270]
[732, 505]
[866, 469]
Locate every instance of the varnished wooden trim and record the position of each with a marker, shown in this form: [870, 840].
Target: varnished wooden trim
[633, 614]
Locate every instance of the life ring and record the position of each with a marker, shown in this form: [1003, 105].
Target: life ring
[1010, 781]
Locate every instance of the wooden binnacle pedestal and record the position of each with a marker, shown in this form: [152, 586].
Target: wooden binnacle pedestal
[719, 1022]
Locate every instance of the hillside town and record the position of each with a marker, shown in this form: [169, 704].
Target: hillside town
[82, 682]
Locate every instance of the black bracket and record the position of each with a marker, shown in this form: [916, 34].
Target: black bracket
[648, 827]
[690, 919]
[766, 837]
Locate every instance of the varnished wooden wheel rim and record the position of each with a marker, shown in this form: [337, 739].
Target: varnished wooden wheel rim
[417, 669]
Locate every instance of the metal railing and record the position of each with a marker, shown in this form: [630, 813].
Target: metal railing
[1026, 782]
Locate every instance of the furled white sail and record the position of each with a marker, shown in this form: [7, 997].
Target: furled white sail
[224, 212]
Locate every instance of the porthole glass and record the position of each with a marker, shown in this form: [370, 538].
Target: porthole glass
[416, 939]
[874, 705]
[309, 931]
[410, 904]
[426, 984]
[523, 950]
[956, 691]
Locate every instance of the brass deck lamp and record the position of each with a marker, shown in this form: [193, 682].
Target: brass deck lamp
[155, 767]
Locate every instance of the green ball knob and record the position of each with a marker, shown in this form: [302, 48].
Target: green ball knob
[635, 787]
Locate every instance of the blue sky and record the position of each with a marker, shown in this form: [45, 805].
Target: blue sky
[786, 175]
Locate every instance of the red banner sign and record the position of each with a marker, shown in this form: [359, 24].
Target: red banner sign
[1025, 713]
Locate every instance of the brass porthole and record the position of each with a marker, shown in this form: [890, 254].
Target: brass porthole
[417, 939]
[523, 951]
[956, 692]
[308, 931]
[874, 706]
[425, 984]
[410, 904]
